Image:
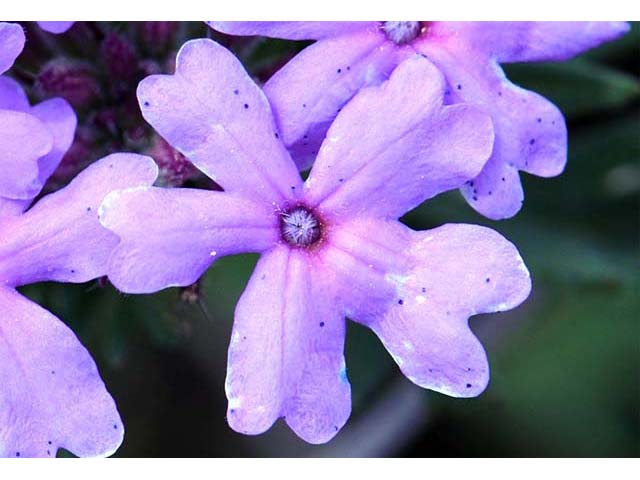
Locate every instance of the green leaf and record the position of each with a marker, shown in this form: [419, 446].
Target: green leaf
[578, 87]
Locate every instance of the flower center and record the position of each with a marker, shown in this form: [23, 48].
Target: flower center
[401, 32]
[300, 227]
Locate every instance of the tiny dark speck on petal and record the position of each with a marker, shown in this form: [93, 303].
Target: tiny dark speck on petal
[401, 302]
[499, 94]
[490, 192]
[73, 271]
[322, 324]
[348, 68]
[468, 385]
[304, 105]
[53, 372]
[17, 454]
[539, 120]
[471, 183]
[48, 452]
[503, 179]
[263, 277]
[475, 198]
[335, 427]
[111, 165]
[146, 104]
[236, 91]
[276, 134]
[88, 209]
[532, 141]
[293, 187]
[468, 369]
[246, 105]
[49, 442]
[424, 289]
[339, 70]
[115, 427]
[341, 180]
[488, 280]
[459, 87]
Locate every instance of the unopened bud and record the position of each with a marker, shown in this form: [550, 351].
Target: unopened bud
[73, 81]
[157, 36]
[175, 169]
[119, 57]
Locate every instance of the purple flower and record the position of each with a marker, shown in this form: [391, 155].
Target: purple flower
[55, 27]
[34, 139]
[330, 247]
[307, 93]
[51, 395]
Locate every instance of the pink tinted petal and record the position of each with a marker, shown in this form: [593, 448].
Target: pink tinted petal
[530, 132]
[60, 238]
[310, 90]
[291, 30]
[215, 115]
[538, 41]
[52, 395]
[409, 147]
[12, 96]
[61, 120]
[55, 27]
[286, 352]
[160, 250]
[433, 281]
[24, 140]
[11, 44]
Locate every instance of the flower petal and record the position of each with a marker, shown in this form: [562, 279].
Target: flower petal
[60, 238]
[286, 353]
[433, 281]
[530, 132]
[215, 115]
[410, 147]
[61, 121]
[55, 27]
[534, 41]
[291, 30]
[308, 92]
[12, 96]
[11, 44]
[52, 395]
[159, 250]
[24, 140]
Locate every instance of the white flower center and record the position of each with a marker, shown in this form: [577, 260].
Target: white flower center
[300, 227]
[401, 32]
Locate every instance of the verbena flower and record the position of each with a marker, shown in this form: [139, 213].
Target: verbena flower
[51, 394]
[55, 27]
[331, 247]
[308, 92]
[33, 139]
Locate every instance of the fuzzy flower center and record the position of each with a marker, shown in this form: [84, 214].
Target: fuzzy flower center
[401, 32]
[300, 227]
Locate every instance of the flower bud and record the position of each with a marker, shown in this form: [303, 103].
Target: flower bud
[73, 81]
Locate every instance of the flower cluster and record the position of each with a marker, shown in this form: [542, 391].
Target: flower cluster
[385, 114]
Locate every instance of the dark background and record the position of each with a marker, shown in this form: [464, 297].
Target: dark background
[565, 365]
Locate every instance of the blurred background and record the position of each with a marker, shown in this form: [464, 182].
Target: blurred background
[565, 366]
